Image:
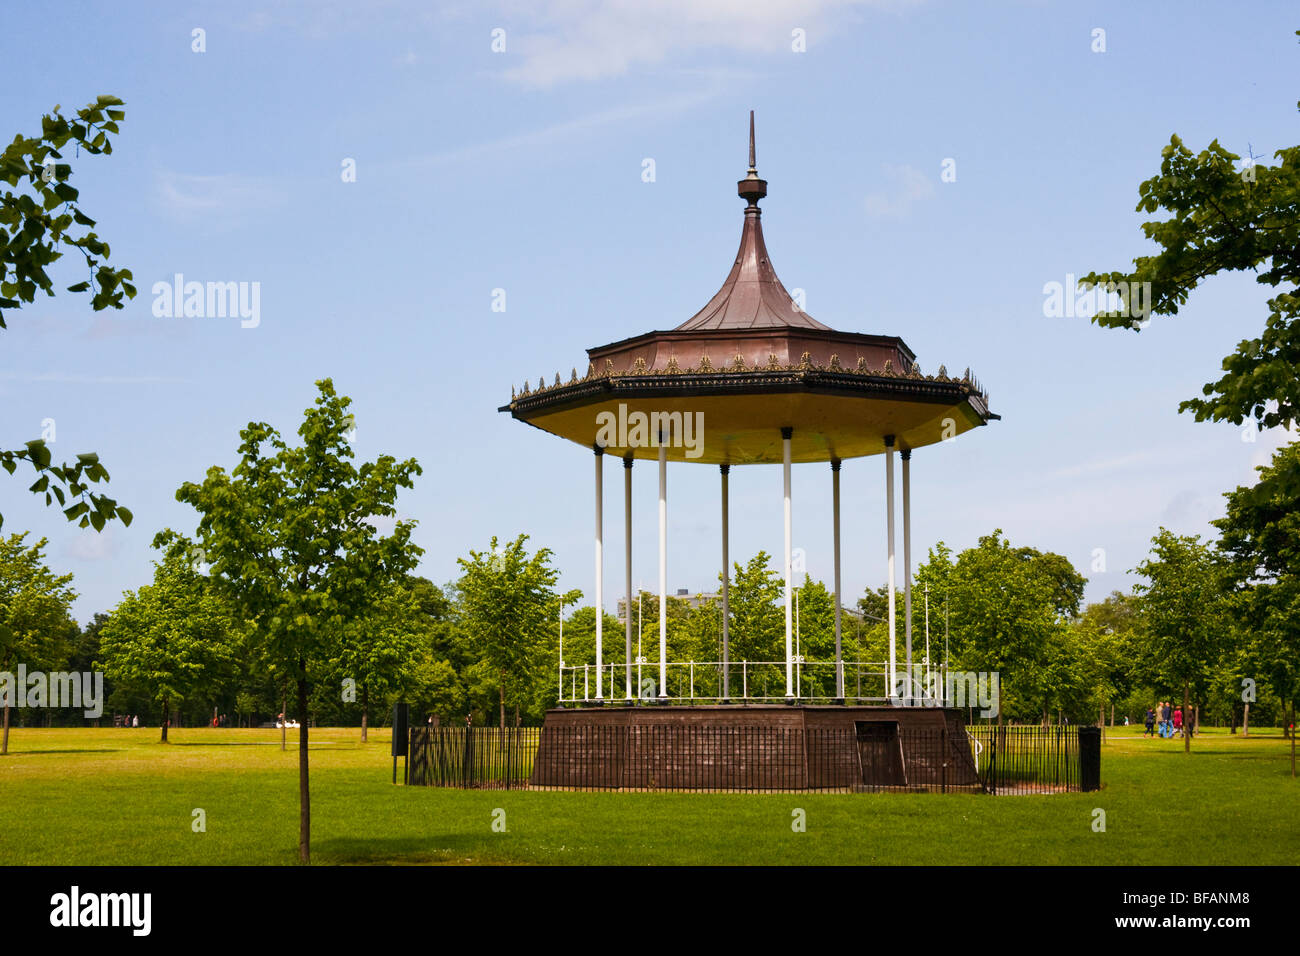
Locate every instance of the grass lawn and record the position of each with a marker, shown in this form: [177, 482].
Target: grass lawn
[118, 796]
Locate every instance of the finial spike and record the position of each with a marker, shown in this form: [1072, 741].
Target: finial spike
[753, 164]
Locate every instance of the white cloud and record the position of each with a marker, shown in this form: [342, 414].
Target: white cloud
[566, 40]
[92, 545]
[907, 185]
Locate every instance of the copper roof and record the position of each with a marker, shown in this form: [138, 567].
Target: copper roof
[752, 297]
[751, 364]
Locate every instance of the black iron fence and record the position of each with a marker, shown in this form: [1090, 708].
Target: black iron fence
[982, 759]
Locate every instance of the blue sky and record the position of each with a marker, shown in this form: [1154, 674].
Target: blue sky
[521, 170]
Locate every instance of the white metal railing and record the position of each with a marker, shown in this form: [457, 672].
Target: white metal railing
[702, 682]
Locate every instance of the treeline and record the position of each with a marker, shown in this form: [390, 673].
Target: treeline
[237, 623]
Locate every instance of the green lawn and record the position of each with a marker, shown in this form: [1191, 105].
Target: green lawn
[118, 796]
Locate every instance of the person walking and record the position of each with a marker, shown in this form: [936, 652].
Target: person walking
[1149, 723]
[1167, 715]
[1178, 721]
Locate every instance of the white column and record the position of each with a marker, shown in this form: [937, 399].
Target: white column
[906, 455]
[600, 563]
[786, 434]
[889, 504]
[726, 589]
[835, 513]
[627, 551]
[663, 566]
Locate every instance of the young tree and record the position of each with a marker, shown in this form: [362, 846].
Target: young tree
[292, 538]
[1225, 217]
[34, 604]
[34, 224]
[508, 599]
[1181, 612]
[174, 638]
[757, 630]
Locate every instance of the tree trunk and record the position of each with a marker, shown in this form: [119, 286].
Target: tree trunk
[165, 720]
[284, 718]
[1293, 738]
[1245, 720]
[304, 791]
[4, 747]
[1112, 713]
[1101, 719]
[365, 712]
[516, 715]
[1187, 738]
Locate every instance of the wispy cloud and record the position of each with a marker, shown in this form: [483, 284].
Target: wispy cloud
[560, 133]
[561, 41]
[907, 185]
[216, 200]
[65, 379]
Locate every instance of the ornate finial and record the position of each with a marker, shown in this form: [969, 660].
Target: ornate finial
[862, 364]
[673, 367]
[705, 364]
[835, 360]
[751, 188]
[805, 360]
[512, 393]
[942, 374]
[889, 367]
[574, 377]
[557, 379]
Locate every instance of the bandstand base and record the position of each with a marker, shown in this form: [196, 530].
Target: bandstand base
[755, 747]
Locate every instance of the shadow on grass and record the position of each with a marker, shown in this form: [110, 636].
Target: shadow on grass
[449, 850]
[38, 753]
[249, 743]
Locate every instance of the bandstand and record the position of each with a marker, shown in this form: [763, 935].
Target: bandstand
[750, 379]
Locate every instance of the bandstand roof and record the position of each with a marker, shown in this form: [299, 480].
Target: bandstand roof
[752, 362]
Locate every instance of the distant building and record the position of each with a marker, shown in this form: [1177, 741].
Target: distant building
[691, 600]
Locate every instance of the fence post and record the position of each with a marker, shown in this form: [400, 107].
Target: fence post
[1089, 759]
[943, 743]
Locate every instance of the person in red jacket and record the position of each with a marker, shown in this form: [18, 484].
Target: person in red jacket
[1178, 721]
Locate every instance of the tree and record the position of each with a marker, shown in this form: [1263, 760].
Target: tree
[34, 224]
[379, 648]
[508, 598]
[34, 604]
[1007, 608]
[293, 539]
[1224, 218]
[173, 638]
[1181, 613]
[1260, 537]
